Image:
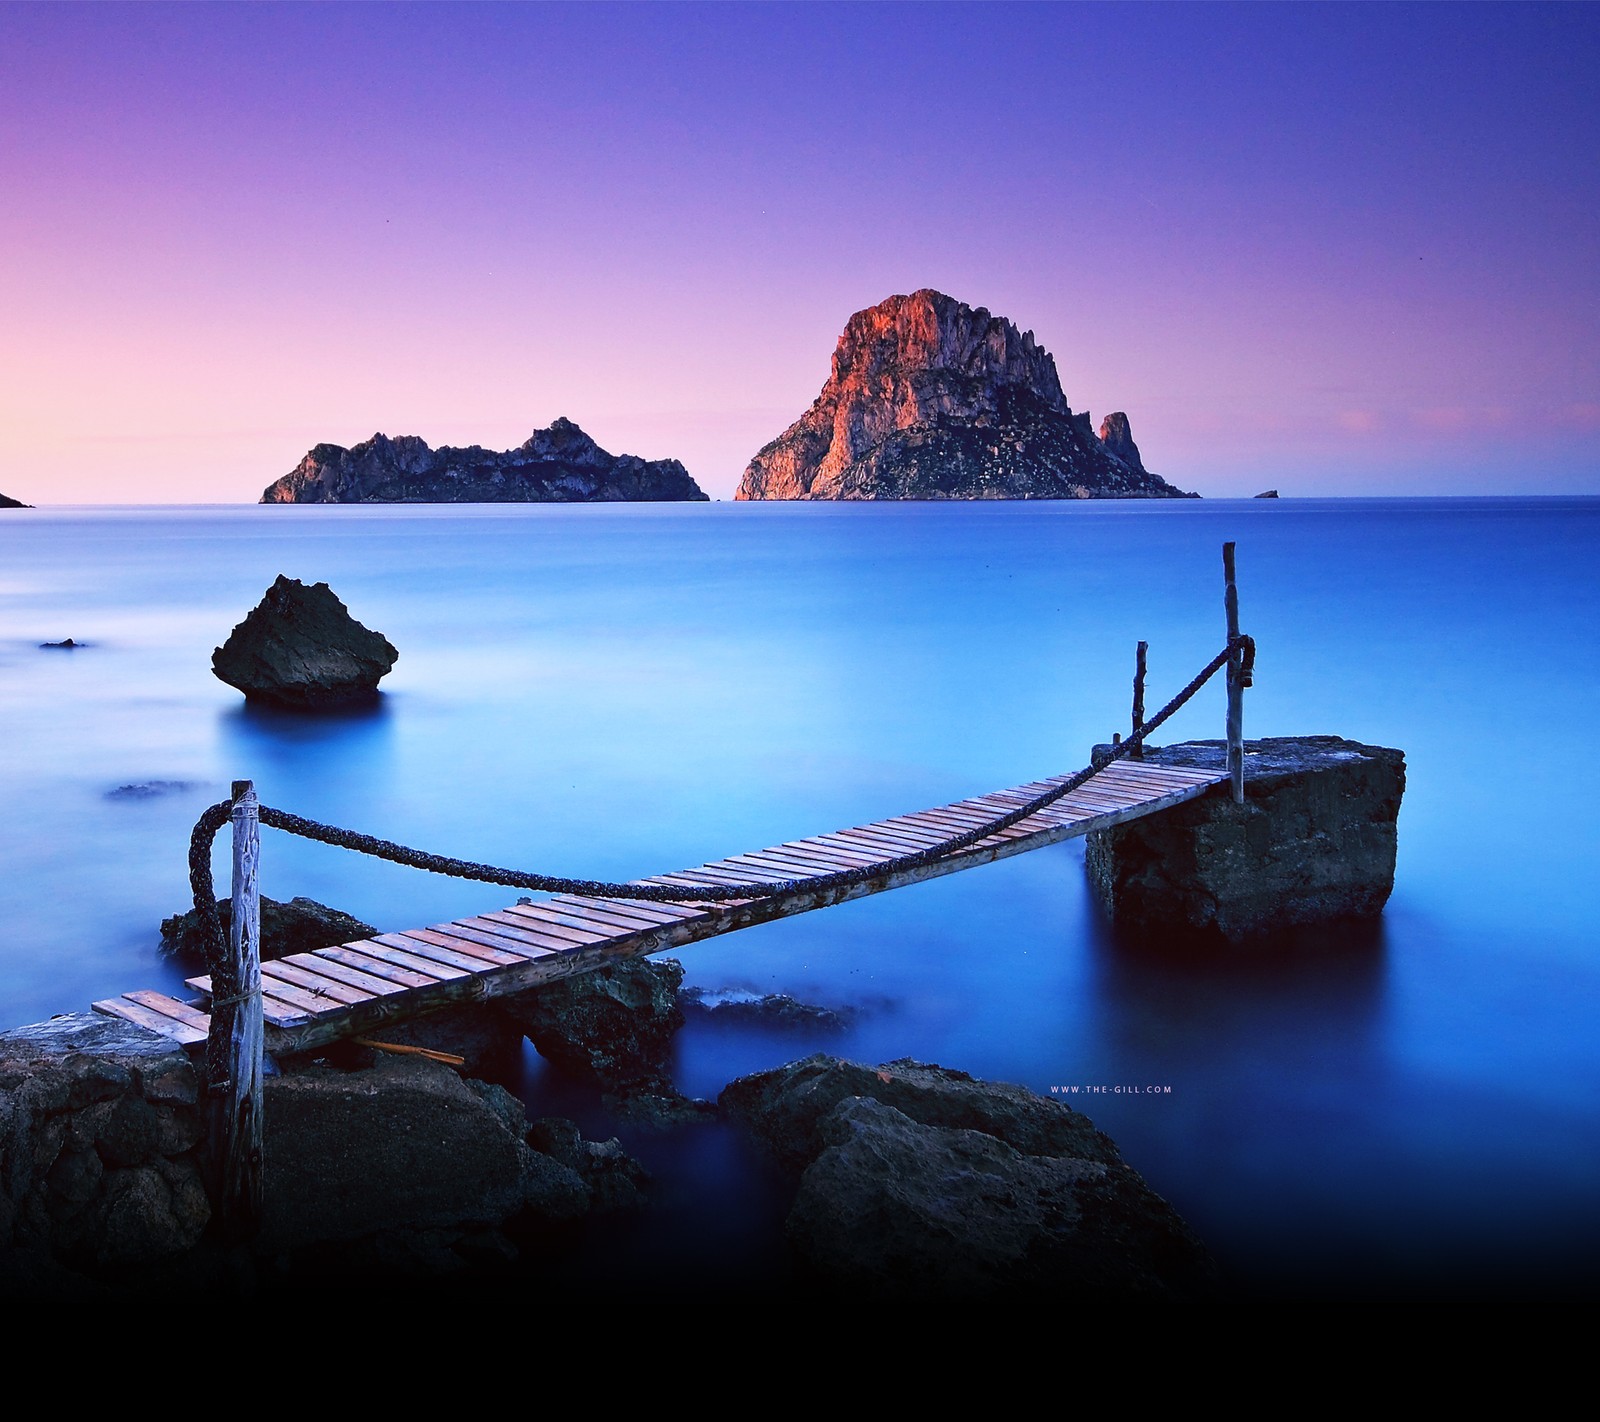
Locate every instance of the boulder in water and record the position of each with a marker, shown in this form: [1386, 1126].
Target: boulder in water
[301, 648]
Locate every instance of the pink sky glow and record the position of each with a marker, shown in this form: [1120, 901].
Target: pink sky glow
[1336, 250]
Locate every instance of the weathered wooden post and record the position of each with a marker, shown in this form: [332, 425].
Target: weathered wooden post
[236, 999]
[1236, 682]
[1137, 753]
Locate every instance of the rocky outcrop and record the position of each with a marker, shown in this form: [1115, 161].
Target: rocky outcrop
[99, 1169]
[399, 1167]
[6, 503]
[915, 1180]
[557, 465]
[300, 648]
[932, 399]
[1313, 844]
[299, 926]
[1117, 436]
[1267, 494]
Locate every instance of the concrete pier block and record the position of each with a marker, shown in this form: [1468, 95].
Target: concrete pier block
[1313, 844]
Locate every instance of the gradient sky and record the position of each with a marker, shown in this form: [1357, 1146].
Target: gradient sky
[1340, 250]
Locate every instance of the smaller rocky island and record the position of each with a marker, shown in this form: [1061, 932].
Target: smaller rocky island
[8, 503]
[556, 465]
[300, 648]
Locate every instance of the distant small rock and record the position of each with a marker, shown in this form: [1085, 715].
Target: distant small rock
[68, 645]
[152, 789]
[6, 503]
[1267, 494]
[300, 648]
[773, 1010]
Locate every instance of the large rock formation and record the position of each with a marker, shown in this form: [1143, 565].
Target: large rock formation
[1117, 436]
[6, 503]
[299, 647]
[918, 1181]
[932, 399]
[558, 465]
[299, 926]
[1313, 844]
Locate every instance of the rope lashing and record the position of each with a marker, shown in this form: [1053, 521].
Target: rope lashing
[217, 815]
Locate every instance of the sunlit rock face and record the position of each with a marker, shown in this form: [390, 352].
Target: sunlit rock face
[557, 465]
[930, 398]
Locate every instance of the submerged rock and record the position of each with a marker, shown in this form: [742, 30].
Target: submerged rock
[961, 1188]
[299, 926]
[300, 648]
[773, 1010]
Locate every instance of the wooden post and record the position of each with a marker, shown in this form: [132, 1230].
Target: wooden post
[1230, 604]
[240, 1128]
[1137, 753]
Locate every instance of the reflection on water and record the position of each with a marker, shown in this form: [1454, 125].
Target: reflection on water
[623, 690]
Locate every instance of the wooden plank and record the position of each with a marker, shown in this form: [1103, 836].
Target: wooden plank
[795, 866]
[425, 968]
[170, 1007]
[880, 837]
[341, 972]
[548, 922]
[279, 1011]
[129, 1011]
[524, 932]
[616, 920]
[808, 851]
[559, 915]
[638, 907]
[295, 1000]
[465, 942]
[314, 983]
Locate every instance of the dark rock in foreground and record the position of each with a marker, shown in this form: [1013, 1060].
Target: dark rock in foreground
[961, 1188]
[1314, 843]
[299, 926]
[558, 465]
[301, 648]
[930, 398]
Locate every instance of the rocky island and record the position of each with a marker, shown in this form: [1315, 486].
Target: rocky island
[8, 503]
[556, 465]
[930, 398]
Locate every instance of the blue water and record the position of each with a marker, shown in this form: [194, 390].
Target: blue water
[611, 691]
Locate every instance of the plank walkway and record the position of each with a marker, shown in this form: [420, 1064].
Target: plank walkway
[354, 989]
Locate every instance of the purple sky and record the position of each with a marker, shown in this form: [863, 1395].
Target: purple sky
[1341, 249]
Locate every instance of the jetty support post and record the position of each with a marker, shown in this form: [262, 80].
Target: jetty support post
[1137, 753]
[237, 999]
[1236, 681]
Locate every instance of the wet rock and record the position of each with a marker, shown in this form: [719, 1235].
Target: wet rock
[775, 1011]
[613, 1178]
[406, 1144]
[612, 1027]
[300, 926]
[960, 1188]
[1313, 844]
[300, 648]
[897, 1208]
[784, 1107]
[658, 1107]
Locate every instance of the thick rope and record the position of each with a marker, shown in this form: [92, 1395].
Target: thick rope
[212, 820]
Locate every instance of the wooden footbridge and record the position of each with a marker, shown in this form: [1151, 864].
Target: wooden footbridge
[246, 1008]
[311, 999]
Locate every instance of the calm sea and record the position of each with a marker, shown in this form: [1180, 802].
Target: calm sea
[612, 691]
